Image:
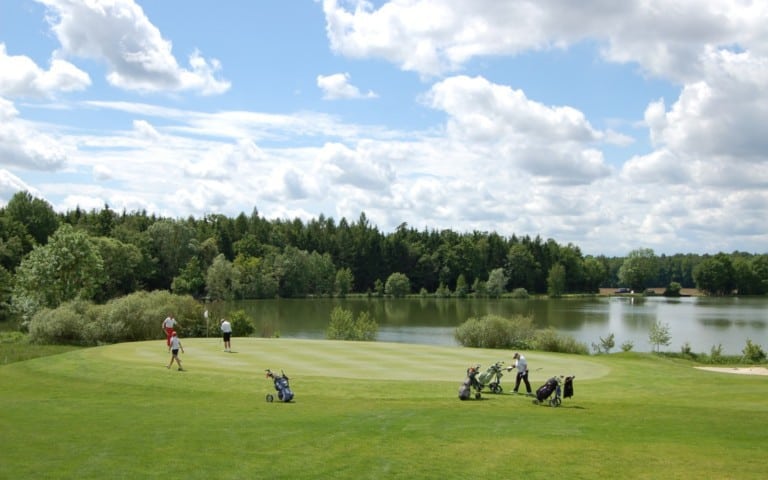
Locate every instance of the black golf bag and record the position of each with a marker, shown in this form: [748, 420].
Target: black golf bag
[555, 385]
[284, 392]
[544, 391]
[568, 387]
[465, 390]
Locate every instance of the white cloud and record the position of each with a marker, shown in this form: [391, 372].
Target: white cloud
[21, 77]
[434, 37]
[551, 143]
[337, 86]
[21, 145]
[118, 33]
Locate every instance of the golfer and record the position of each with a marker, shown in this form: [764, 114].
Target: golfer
[522, 372]
[226, 333]
[175, 347]
[168, 326]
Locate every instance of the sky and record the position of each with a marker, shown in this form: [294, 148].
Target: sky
[608, 125]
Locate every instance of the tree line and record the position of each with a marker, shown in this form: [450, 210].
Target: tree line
[47, 258]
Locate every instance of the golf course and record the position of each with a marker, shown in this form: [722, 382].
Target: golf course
[371, 410]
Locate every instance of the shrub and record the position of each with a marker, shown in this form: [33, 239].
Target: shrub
[673, 290]
[753, 352]
[627, 346]
[242, 325]
[442, 291]
[62, 325]
[344, 327]
[608, 343]
[397, 285]
[131, 318]
[716, 353]
[519, 293]
[493, 331]
[549, 340]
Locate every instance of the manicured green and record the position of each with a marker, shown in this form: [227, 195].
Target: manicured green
[370, 410]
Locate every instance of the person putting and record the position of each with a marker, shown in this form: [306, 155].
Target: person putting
[226, 334]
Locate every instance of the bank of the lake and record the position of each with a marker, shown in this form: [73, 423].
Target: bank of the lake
[701, 322]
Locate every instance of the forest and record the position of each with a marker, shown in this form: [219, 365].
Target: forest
[47, 258]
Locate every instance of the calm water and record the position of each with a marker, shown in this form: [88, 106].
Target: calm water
[702, 322]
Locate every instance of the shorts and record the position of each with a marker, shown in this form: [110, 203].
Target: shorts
[175, 352]
[226, 336]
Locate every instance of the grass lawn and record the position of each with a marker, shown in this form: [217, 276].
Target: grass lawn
[370, 411]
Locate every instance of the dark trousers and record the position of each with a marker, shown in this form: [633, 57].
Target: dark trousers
[524, 378]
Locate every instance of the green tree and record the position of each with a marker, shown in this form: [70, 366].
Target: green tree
[256, 278]
[521, 268]
[397, 285]
[715, 275]
[673, 290]
[556, 281]
[745, 278]
[462, 289]
[221, 279]
[496, 284]
[344, 282]
[5, 293]
[68, 267]
[640, 267]
[191, 280]
[15, 241]
[173, 243]
[35, 214]
[659, 335]
[595, 273]
[121, 268]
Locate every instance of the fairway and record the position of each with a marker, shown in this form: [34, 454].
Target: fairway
[370, 410]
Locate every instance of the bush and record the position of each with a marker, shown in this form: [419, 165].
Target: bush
[134, 317]
[716, 353]
[242, 325]
[63, 325]
[673, 290]
[753, 352]
[627, 346]
[397, 285]
[519, 293]
[493, 331]
[548, 340]
[344, 327]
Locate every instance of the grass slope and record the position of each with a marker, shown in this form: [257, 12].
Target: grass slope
[370, 410]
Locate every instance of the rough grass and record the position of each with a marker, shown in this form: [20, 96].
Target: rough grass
[370, 410]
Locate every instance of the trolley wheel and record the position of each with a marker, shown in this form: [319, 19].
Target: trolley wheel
[270, 398]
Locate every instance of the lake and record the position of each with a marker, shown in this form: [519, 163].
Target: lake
[703, 322]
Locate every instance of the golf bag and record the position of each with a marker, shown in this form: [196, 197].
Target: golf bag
[284, 392]
[465, 390]
[557, 386]
[492, 377]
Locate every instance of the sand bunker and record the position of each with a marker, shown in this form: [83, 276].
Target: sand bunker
[740, 371]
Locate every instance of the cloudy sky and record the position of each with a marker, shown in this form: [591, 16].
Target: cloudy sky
[609, 125]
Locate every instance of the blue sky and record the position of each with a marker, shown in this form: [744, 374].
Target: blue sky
[608, 125]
